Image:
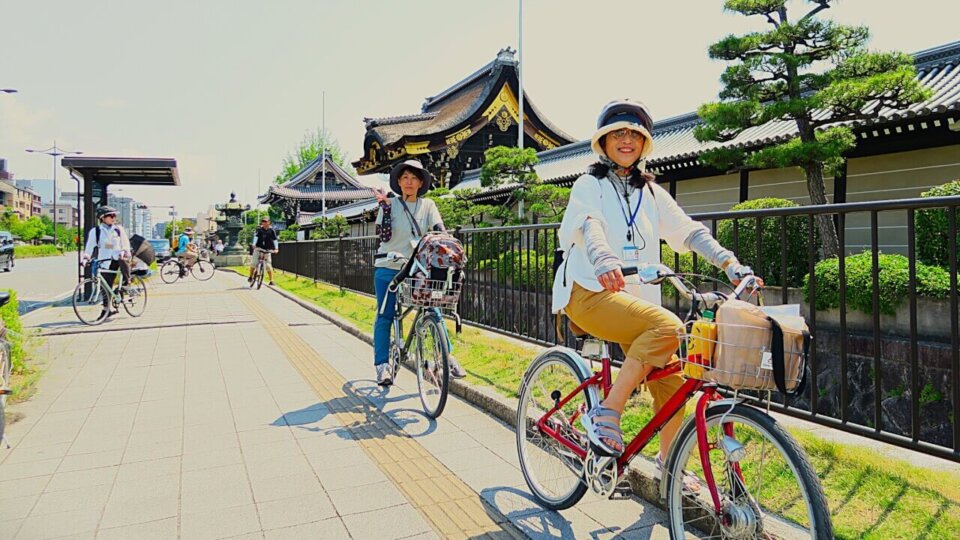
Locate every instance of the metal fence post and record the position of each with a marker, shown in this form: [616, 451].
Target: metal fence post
[343, 262]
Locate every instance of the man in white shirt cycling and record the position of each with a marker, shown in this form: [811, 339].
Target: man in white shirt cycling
[109, 243]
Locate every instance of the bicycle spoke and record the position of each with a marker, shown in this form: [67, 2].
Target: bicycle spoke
[762, 495]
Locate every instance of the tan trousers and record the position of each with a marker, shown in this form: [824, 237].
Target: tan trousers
[646, 332]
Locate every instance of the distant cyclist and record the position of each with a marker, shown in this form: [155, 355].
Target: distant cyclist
[187, 250]
[265, 243]
[109, 243]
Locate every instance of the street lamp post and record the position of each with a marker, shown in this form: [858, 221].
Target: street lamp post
[54, 152]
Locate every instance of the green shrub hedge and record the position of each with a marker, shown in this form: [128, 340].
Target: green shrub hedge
[11, 318]
[894, 276]
[522, 268]
[768, 265]
[932, 228]
[27, 251]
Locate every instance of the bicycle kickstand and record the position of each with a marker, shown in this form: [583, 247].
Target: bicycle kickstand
[4, 442]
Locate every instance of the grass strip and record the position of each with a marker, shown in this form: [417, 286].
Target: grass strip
[870, 495]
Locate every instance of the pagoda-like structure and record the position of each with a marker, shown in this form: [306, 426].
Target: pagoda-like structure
[303, 195]
[455, 127]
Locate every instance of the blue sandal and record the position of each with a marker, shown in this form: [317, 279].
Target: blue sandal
[605, 437]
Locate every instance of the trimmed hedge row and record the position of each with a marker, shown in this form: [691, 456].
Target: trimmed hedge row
[893, 277]
[773, 242]
[932, 228]
[27, 251]
[11, 318]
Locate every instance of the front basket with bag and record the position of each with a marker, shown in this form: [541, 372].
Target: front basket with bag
[755, 350]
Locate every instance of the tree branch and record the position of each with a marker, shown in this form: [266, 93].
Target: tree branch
[821, 5]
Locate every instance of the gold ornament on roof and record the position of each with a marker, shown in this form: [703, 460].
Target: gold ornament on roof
[504, 121]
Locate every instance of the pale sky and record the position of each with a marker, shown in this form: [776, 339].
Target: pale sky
[228, 87]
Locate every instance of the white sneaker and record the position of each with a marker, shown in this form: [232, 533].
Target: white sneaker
[384, 374]
[456, 370]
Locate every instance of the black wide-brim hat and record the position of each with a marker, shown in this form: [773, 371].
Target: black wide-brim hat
[416, 168]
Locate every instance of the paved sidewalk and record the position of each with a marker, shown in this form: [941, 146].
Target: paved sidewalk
[236, 413]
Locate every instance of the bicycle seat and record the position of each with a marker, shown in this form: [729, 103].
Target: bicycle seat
[4, 298]
[578, 332]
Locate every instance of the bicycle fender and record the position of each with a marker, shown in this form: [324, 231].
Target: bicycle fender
[691, 418]
[593, 396]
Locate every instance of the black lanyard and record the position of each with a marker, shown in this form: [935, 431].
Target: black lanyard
[413, 221]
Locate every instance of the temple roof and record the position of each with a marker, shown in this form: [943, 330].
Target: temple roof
[676, 147]
[456, 114]
[304, 185]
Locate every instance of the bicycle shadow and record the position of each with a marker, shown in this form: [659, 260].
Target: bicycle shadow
[535, 521]
[411, 421]
[370, 421]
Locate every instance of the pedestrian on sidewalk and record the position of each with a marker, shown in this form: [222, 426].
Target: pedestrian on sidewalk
[617, 217]
[398, 222]
[109, 245]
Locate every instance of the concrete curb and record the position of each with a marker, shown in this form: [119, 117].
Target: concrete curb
[642, 475]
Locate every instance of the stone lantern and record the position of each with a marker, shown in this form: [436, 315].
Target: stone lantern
[229, 221]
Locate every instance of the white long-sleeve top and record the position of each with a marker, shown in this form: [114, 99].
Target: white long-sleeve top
[113, 240]
[659, 217]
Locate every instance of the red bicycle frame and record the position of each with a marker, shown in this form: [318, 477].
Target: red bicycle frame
[603, 379]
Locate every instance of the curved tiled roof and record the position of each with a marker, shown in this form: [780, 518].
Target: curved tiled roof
[454, 105]
[315, 192]
[675, 145]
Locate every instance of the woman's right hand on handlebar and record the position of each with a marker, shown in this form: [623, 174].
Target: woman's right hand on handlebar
[613, 280]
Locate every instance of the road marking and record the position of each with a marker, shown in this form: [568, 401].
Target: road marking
[448, 504]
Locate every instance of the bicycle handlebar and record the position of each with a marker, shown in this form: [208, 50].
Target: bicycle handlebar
[709, 299]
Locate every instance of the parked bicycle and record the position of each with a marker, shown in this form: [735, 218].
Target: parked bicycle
[94, 299]
[260, 270]
[174, 269]
[6, 366]
[427, 345]
[732, 471]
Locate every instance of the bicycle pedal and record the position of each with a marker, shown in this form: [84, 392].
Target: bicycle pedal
[622, 491]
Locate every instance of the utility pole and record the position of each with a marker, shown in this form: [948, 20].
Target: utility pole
[54, 152]
[323, 156]
[520, 75]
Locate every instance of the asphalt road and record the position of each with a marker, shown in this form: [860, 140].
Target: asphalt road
[41, 280]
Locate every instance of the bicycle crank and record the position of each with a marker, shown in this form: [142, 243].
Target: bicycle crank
[600, 474]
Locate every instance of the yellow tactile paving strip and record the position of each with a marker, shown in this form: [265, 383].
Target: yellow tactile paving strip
[449, 505]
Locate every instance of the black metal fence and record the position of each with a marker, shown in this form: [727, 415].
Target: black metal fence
[886, 363]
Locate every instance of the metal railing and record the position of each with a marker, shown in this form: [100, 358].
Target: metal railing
[866, 367]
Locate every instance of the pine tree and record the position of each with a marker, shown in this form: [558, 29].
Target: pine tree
[810, 71]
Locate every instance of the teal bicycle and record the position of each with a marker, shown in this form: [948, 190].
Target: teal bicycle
[427, 345]
[94, 300]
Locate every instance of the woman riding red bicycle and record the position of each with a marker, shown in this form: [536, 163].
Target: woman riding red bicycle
[617, 217]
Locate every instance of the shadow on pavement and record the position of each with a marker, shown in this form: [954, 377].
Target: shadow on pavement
[364, 398]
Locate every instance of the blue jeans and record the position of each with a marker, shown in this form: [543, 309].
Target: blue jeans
[381, 328]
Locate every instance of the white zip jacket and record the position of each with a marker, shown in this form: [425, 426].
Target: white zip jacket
[113, 241]
[659, 217]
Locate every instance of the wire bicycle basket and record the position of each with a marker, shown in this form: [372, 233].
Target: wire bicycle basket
[741, 357]
[428, 293]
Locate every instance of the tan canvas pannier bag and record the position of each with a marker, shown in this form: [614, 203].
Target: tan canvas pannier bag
[756, 351]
